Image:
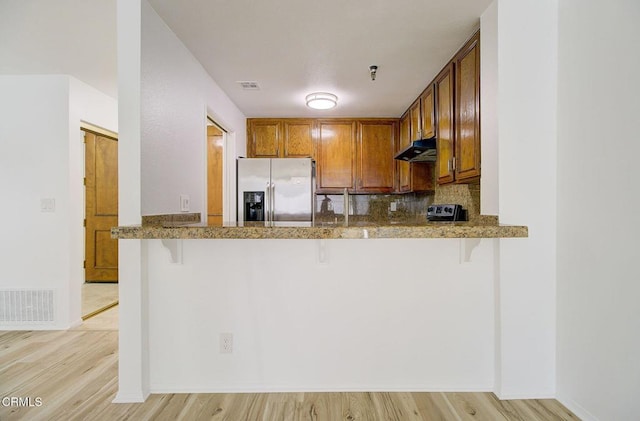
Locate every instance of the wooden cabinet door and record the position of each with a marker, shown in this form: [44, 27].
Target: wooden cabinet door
[404, 168]
[298, 138]
[427, 102]
[263, 138]
[336, 155]
[467, 105]
[375, 151]
[445, 135]
[101, 208]
[415, 123]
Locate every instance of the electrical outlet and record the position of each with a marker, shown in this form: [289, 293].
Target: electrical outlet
[184, 203]
[226, 343]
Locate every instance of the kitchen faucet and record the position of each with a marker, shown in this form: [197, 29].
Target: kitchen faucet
[345, 195]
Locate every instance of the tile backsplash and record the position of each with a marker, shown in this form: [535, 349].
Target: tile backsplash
[375, 208]
[407, 208]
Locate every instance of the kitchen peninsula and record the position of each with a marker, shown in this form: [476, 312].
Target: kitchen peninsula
[374, 222]
[357, 231]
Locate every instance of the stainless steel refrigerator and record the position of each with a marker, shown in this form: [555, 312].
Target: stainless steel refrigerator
[275, 191]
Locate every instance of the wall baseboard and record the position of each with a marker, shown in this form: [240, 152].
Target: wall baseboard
[577, 409]
[165, 388]
[130, 397]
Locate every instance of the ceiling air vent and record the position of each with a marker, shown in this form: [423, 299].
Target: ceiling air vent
[249, 85]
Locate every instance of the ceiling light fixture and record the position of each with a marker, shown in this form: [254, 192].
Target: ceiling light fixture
[321, 100]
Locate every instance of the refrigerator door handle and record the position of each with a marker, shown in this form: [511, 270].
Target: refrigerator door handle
[273, 203]
[267, 205]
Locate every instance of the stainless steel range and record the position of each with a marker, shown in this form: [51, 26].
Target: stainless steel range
[446, 212]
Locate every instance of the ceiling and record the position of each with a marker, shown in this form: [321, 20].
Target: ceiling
[295, 47]
[290, 47]
[71, 37]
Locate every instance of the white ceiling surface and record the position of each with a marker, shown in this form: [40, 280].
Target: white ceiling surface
[290, 47]
[295, 47]
[73, 37]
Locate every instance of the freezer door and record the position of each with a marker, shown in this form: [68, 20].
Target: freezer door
[292, 191]
[254, 188]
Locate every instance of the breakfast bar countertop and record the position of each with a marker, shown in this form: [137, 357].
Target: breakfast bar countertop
[360, 230]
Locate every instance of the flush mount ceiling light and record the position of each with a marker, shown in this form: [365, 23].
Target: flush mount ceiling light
[321, 100]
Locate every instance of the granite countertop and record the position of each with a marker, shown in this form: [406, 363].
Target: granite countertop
[359, 230]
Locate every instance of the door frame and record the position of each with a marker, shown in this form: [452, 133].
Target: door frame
[228, 165]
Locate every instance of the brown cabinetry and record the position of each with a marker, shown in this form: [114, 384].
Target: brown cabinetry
[457, 90]
[336, 155]
[374, 155]
[356, 155]
[404, 168]
[467, 111]
[280, 138]
[445, 133]
[427, 114]
[449, 109]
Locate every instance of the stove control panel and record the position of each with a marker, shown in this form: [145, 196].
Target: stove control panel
[446, 212]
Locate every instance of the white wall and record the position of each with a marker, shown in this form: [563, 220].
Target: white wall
[598, 272]
[165, 97]
[377, 315]
[177, 94]
[133, 348]
[71, 37]
[527, 69]
[41, 157]
[489, 109]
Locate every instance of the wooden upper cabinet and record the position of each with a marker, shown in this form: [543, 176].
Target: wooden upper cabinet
[427, 103]
[467, 114]
[336, 155]
[298, 138]
[415, 123]
[404, 168]
[264, 137]
[445, 135]
[375, 150]
[280, 138]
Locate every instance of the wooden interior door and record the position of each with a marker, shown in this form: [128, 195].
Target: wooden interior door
[101, 207]
[214, 175]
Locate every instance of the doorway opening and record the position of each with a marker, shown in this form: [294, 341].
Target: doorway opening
[100, 287]
[215, 172]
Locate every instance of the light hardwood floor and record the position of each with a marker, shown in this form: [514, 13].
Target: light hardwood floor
[74, 373]
[98, 296]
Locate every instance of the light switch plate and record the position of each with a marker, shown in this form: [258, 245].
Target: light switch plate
[47, 205]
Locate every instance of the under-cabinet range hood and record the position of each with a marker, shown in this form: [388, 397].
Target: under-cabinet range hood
[423, 150]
